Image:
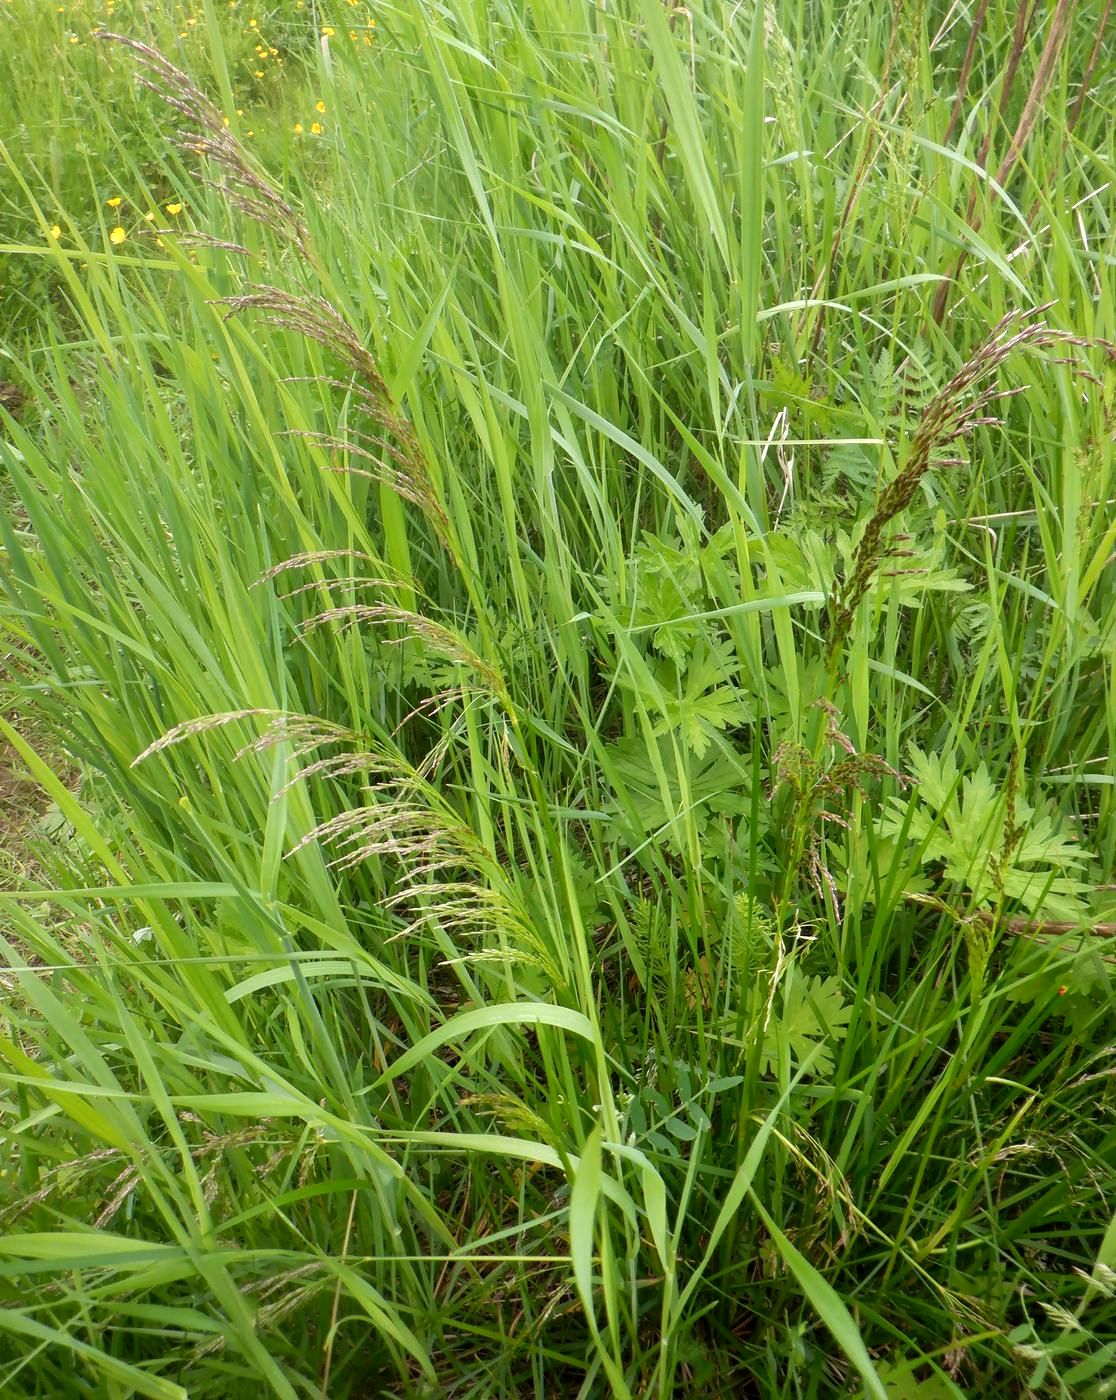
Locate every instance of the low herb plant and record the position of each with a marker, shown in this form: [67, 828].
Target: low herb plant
[578, 584]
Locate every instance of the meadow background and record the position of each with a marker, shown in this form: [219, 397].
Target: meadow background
[556, 602]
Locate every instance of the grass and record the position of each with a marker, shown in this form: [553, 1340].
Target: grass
[590, 664]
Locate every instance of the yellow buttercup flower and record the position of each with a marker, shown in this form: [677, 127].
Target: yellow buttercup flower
[173, 208]
[328, 31]
[117, 235]
[55, 231]
[298, 128]
[319, 106]
[115, 202]
[316, 128]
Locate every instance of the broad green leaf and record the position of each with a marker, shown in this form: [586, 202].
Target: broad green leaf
[462, 1026]
[584, 1198]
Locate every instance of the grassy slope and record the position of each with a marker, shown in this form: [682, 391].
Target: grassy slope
[535, 991]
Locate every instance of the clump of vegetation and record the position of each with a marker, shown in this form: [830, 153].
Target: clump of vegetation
[560, 570]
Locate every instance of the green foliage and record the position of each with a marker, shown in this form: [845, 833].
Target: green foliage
[569, 688]
[811, 1017]
[806, 561]
[994, 845]
[693, 687]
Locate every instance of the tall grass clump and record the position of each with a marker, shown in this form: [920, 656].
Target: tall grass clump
[576, 572]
